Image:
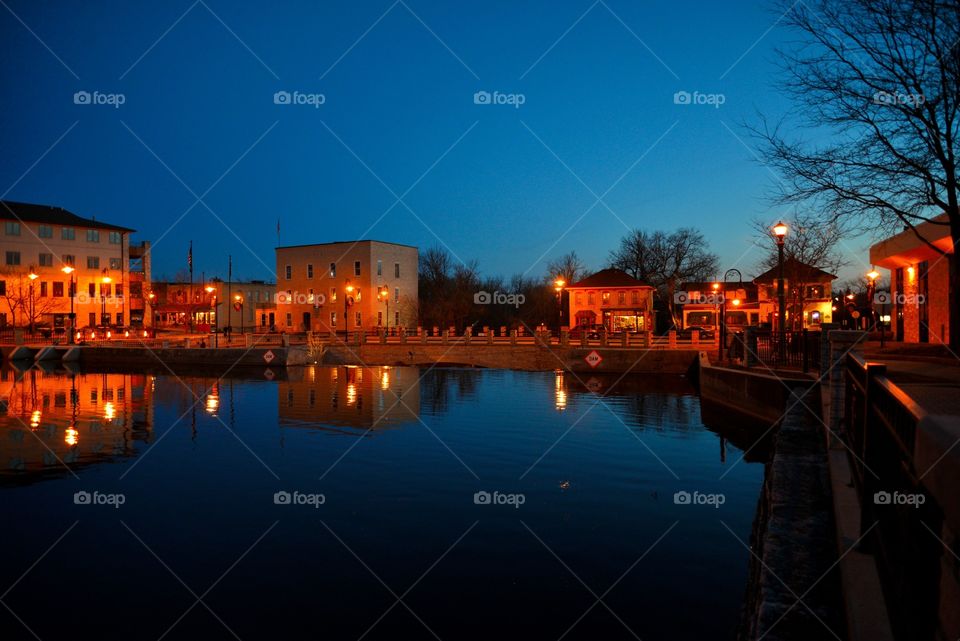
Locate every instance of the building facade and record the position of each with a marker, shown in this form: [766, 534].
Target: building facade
[704, 302]
[613, 298]
[919, 281]
[54, 261]
[808, 294]
[214, 305]
[371, 283]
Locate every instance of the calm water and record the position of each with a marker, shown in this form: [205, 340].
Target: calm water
[398, 455]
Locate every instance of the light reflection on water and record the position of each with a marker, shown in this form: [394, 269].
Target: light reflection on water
[398, 453]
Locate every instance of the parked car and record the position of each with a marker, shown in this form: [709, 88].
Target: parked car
[706, 333]
[590, 331]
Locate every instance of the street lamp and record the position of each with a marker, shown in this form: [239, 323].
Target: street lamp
[238, 305]
[383, 293]
[216, 338]
[68, 270]
[348, 289]
[558, 286]
[33, 310]
[722, 322]
[104, 280]
[780, 231]
[872, 277]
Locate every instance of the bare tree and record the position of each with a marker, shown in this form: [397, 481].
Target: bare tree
[569, 267]
[665, 260]
[884, 77]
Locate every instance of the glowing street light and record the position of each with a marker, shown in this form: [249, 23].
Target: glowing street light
[780, 232]
[558, 286]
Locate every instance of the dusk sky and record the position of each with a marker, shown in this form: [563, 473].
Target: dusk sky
[498, 183]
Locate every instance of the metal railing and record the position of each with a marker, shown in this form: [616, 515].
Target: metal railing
[880, 429]
[792, 349]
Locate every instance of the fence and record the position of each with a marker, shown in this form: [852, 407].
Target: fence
[800, 349]
[880, 424]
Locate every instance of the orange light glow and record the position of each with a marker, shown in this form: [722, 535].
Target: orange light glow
[71, 436]
[780, 229]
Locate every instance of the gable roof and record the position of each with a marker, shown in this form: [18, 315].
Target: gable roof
[49, 215]
[609, 278]
[794, 268]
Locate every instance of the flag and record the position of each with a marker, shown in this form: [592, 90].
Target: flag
[190, 255]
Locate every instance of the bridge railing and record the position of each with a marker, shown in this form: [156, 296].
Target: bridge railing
[881, 424]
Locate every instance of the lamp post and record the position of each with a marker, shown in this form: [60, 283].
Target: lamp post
[216, 337]
[32, 276]
[104, 280]
[872, 277]
[383, 294]
[238, 305]
[68, 270]
[347, 290]
[558, 286]
[780, 232]
[723, 305]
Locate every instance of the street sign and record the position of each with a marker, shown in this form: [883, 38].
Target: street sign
[593, 358]
[594, 385]
[269, 375]
[269, 356]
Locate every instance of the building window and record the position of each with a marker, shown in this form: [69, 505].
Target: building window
[379, 319]
[43, 289]
[333, 319]
[46, 231]
[396, 294]
[289, 320]
[93, 235]
[93, 262]
[309, 270]
[11, 228]
[379, 268]
[634, 297]
[92, 291]
[115, 263]
[68, 233]
[605, 298]
[814, 291]
[333, 294]
[333, 270]
[57, 289]
[68, 259]
[288, 272]
[396, 270]
[356, 268]
[13, 258]
[118, 290]
[591, 299]
[396, 319]
[621, 298]
[578, 298]
[115, 238]
[46, 260]
[104, 289]
[3, 289]
[357, 320]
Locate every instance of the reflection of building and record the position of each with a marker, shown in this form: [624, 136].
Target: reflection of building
[614, 298]
[919, 282]
[74, 419]
[807, 291]
[378, 280]
[363, 397]
[703, 301]
[248, 304]
[39, 241]
[141, 309]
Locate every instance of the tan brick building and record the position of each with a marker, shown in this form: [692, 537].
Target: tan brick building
[374, 283]
[37, 242]
[919, 282]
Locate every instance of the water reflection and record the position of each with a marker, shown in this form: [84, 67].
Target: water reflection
[52, 419]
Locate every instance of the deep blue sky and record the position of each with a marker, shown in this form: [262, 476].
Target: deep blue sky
[399, 99]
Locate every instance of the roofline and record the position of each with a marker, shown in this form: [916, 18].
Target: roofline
[345, 242]
[6, 213]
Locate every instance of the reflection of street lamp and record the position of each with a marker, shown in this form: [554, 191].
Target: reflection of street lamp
[33, 309]
[780, 231]
[68, 270]
[558, 286]
[216, 338]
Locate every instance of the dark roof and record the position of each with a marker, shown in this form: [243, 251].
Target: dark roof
[793, 268]
[730, 285]
[48, 215]
[348, 242]
[609, 278]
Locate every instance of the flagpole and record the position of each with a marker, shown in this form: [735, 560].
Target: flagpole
[229, 295]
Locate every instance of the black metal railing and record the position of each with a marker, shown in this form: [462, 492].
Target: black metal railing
[795, 349]
[880, 428]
